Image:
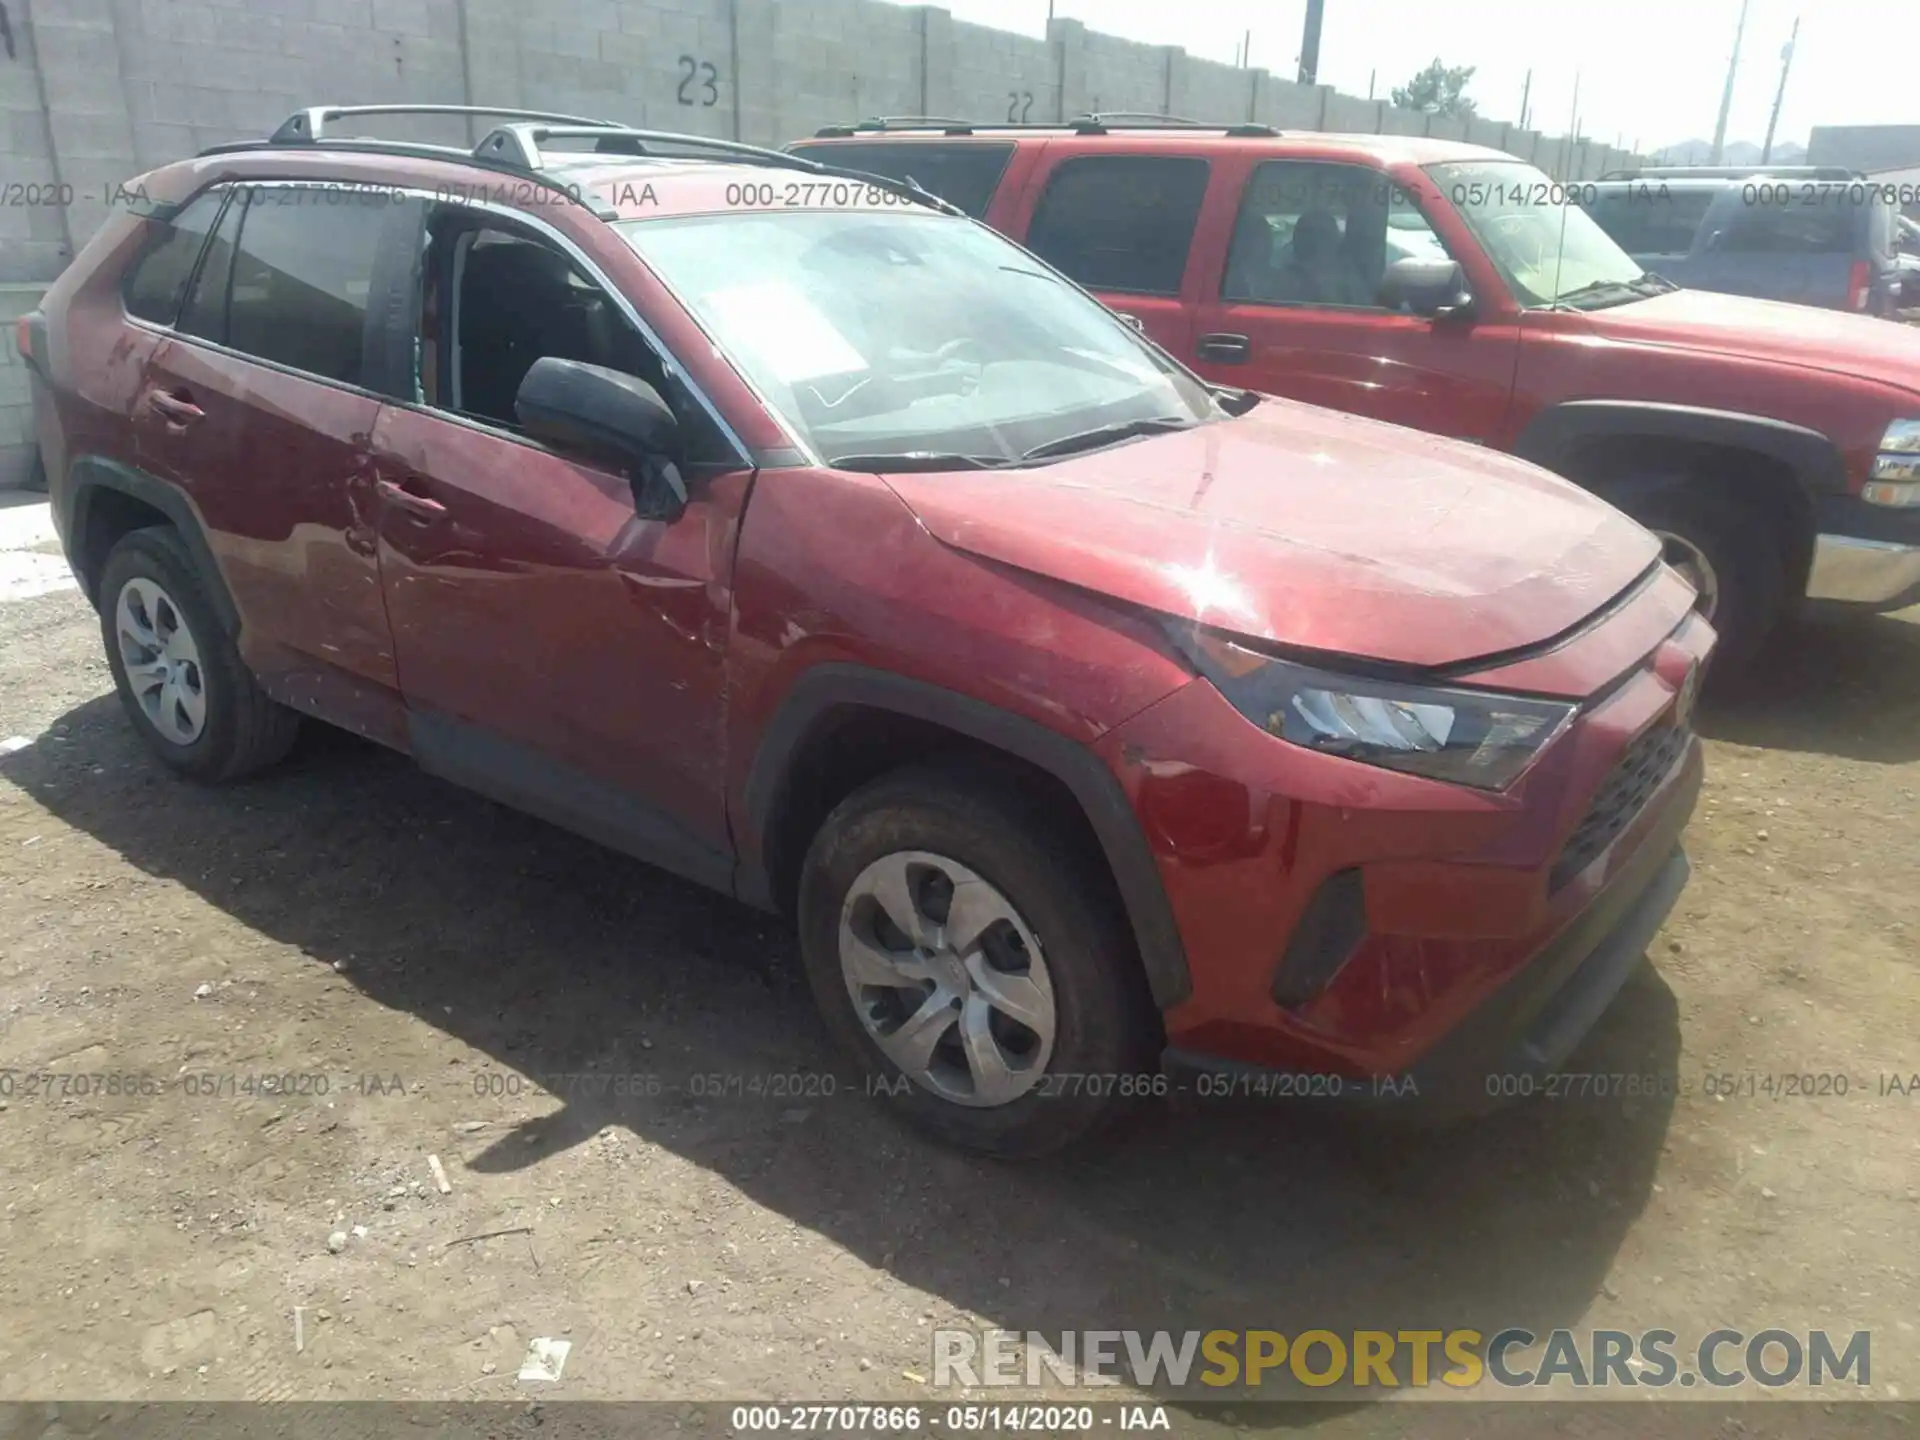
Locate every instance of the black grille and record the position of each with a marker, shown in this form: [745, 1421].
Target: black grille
[1621, 796]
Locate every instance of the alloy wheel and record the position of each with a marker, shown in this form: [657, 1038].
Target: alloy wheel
[947, 978]
[161, 660]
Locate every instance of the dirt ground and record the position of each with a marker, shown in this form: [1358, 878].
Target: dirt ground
[431, 955]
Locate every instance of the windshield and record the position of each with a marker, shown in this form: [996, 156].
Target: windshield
[1547, 248]
[912, 335]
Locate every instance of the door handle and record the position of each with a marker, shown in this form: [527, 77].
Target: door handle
[177, 409]
[424, 506]
[1226, 349]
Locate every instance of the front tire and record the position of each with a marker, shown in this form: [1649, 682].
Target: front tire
[963, 948]
[179, 675]
[1729, 555]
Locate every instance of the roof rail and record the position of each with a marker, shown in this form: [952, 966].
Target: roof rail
[446, 154]
[1154, 116]
[1734, 172]
[522, 144]
[515, 149]
[309, 125]
[903, 124]
[1100, 123]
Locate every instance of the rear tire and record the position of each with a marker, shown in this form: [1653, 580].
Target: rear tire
[179, 675]
[1702, 522]
[1021, 1022]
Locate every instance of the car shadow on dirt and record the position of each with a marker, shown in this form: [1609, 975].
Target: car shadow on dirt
[1837, 683]
[552, 956]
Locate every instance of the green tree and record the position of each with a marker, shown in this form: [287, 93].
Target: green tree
[1440, 89]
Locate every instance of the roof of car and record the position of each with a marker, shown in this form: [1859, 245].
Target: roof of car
[624, 173]
[1386, 149]
[647, 189]
[1664, 182]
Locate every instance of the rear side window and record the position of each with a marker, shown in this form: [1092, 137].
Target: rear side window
[1805, 224]
[302, 274]
[1120, 222]
[966, 175]
[154, 285]
[1649, 220]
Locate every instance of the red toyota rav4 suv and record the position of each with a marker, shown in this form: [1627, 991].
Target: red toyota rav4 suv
[1775, 448]
[792, 531]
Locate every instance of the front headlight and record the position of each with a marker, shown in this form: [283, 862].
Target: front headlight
[1902, 438]
[1467, 737]
[1895, 478]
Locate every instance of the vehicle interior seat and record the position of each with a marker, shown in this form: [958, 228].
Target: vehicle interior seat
[520, 301]
[1319, 270]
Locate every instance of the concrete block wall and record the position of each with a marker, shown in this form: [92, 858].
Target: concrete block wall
[95, 92]
[1106, 73]
[1395, 121]
[1350, 114]
[995, 74]
[1208, 90]
[18, 447]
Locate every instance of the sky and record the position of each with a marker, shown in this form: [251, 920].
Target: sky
[1648, 70]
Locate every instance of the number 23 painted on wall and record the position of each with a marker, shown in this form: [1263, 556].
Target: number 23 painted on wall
[699, 82]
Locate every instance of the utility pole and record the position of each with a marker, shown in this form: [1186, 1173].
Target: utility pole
[1786, 64]
[1726, 95]
[1246, 50]
[1526, 93]
[1573, 132]
[1310, 43]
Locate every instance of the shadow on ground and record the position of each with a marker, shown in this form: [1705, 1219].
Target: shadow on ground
[551, 955]
[1837, 683]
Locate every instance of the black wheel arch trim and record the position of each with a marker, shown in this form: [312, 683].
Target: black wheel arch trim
[829, 688]
[1552, 436]
[89, 475]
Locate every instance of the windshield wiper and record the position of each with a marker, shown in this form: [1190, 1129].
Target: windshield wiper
[1107, 435]
[1650, 283]
[908, 460]
[1594, 287]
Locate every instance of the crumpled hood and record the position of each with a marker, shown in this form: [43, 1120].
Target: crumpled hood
[1309, 528]
[1804, 335]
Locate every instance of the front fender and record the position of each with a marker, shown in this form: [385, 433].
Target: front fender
[1555, 436]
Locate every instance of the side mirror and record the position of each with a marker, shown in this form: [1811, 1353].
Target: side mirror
[607, 415]
[1433, 288]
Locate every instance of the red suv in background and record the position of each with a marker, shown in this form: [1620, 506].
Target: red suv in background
[1775, 448]
[790, 530]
